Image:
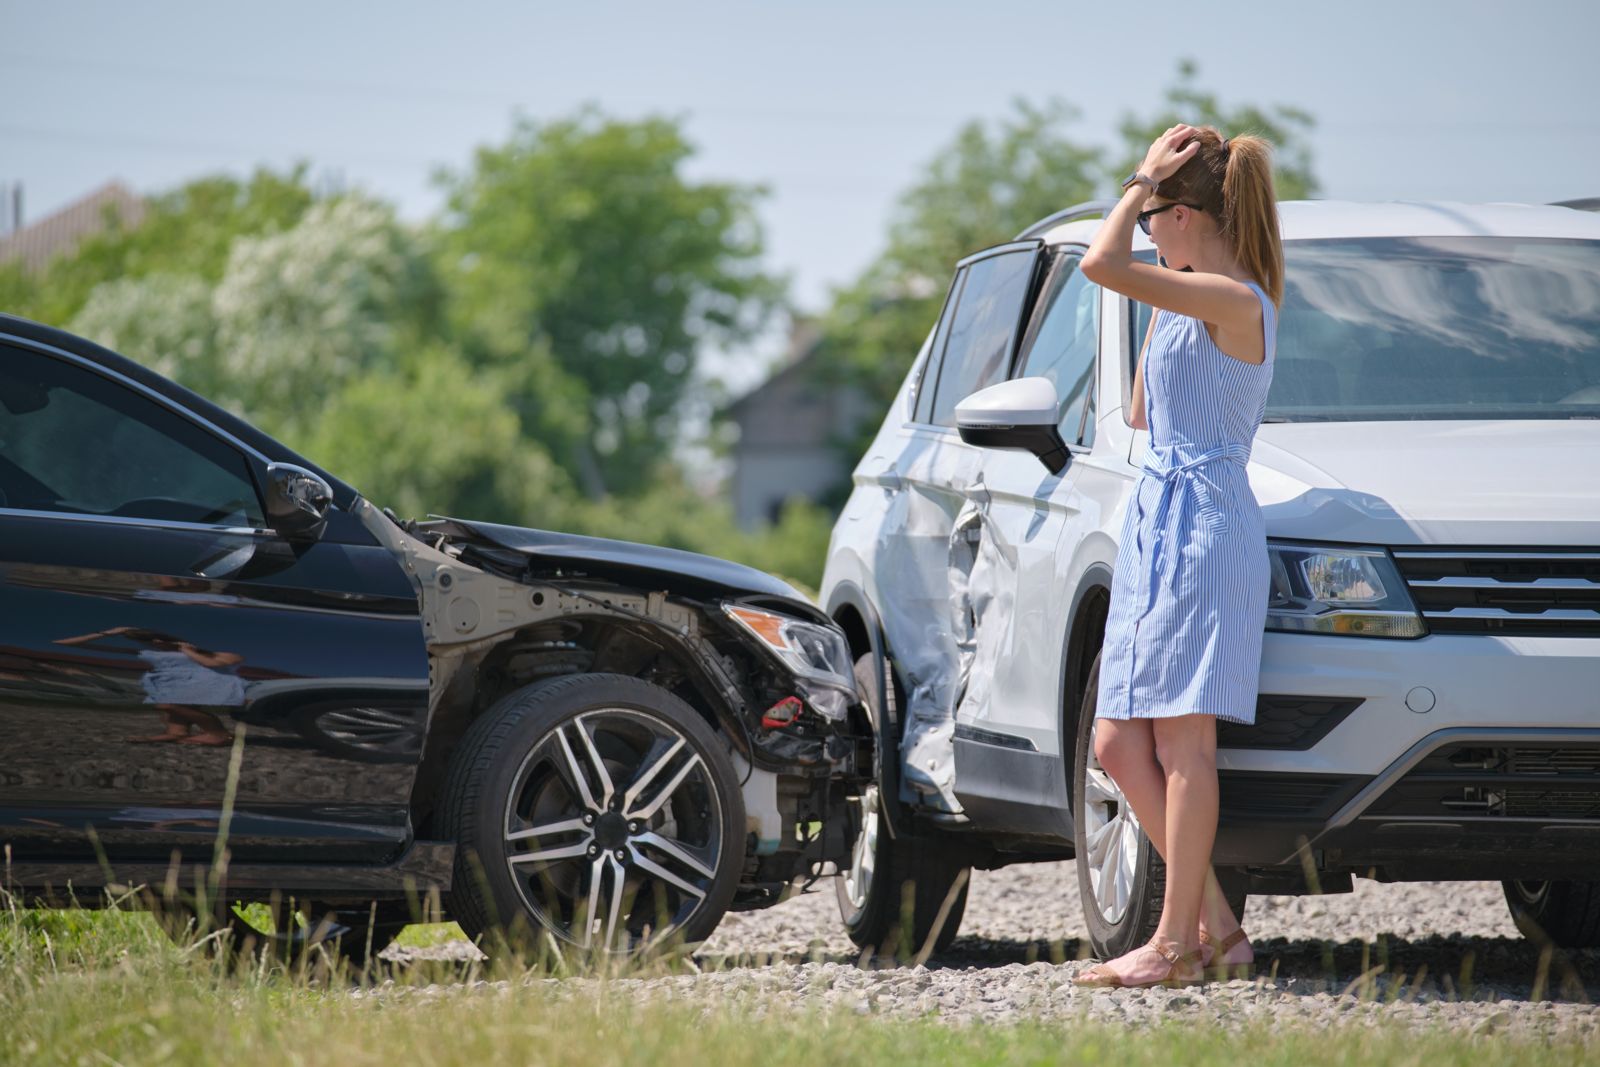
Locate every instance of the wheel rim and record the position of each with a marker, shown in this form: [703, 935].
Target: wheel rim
[1112, 832]
[613, 830]
[863, 855]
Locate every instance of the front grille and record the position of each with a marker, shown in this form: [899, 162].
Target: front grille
[1472, 779]
[1554, 592]
[1266, 796]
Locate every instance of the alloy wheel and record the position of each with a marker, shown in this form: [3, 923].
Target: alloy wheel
[612, 830]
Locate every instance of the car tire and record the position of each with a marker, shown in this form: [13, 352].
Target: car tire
[896, 892]
[642, 813]
[1564, 914]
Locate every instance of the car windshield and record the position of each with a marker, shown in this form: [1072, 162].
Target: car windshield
[1437, 328]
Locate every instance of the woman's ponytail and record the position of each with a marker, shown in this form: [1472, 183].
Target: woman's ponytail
[1232, 179]
[1250, 211]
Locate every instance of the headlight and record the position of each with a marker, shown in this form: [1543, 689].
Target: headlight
[1353, 591]
[818, 656]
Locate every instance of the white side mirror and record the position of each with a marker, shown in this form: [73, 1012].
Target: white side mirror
[1019, 402]
[1022, 414]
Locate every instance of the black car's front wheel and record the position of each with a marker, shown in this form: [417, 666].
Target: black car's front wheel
[598, 809]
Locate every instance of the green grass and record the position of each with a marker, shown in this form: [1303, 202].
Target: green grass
[80, 987]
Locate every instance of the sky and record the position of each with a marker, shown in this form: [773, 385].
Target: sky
[834, 107]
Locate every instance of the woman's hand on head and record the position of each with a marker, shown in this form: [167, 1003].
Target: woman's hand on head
[1169, 152]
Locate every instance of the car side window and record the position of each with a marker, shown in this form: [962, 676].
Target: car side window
[1062, 344]
[75, 442]
[930, 370]
[983, 330]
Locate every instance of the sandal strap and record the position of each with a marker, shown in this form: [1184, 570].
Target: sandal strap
[1171, 954]
[1226, 943]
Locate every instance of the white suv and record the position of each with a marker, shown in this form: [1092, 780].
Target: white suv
[1429, 472]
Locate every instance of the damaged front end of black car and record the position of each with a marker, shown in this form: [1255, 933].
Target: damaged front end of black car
[603, 744]
[628, 830]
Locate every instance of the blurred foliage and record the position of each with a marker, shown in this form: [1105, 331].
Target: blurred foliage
[984, 188]
[188, 232]
[583, 237]
[529, 355]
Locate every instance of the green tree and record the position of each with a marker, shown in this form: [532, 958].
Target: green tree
[186, 232]
[989, 184]
[582, 237]
[435, 436]
[1287, 128]
[293, 316]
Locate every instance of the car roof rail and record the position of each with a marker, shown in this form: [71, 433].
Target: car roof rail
[1087, 209]
[1583, 203]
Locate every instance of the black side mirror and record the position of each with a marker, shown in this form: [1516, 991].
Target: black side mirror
[297, 502]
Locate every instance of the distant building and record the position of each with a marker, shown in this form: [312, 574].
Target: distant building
[791, 432]
[58, 233]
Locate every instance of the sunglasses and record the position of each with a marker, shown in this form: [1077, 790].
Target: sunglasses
[1143, 218]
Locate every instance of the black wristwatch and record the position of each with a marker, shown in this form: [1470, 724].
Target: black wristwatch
[1141, 179]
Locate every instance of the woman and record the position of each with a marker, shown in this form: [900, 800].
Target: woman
[1189, 597]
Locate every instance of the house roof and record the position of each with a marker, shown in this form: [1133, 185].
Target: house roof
[35, 245]
[805, 337]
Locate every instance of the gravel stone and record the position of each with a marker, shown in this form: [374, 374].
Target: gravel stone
[1418, 955]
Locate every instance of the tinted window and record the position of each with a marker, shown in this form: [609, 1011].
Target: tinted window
[983, 331]
[930, 369]
[1063, 342]
[73, 441]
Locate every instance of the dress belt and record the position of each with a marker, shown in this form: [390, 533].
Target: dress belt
[1175, 477]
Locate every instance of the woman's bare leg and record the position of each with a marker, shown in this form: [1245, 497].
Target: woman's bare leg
[1130, 745]
[1186, 748]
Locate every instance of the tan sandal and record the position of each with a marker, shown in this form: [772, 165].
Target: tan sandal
[1100, 976]
[1211, 949]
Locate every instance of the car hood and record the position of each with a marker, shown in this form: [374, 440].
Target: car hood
[1414, 482]
[550, 553]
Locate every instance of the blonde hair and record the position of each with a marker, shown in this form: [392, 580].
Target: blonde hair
[1231, 180]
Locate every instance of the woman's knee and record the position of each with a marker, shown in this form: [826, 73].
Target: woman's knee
[1186, 741]
[1118, 745]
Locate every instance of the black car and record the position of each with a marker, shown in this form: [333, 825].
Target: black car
[221, 667]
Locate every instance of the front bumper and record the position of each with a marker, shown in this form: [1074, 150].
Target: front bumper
[1447, 757]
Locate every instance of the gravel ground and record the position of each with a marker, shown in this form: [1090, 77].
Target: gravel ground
[1439, 953]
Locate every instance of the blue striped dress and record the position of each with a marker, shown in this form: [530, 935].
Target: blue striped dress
[1189, 592]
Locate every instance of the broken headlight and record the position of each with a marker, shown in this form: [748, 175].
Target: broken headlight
[1337, 590]
[818, 656]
